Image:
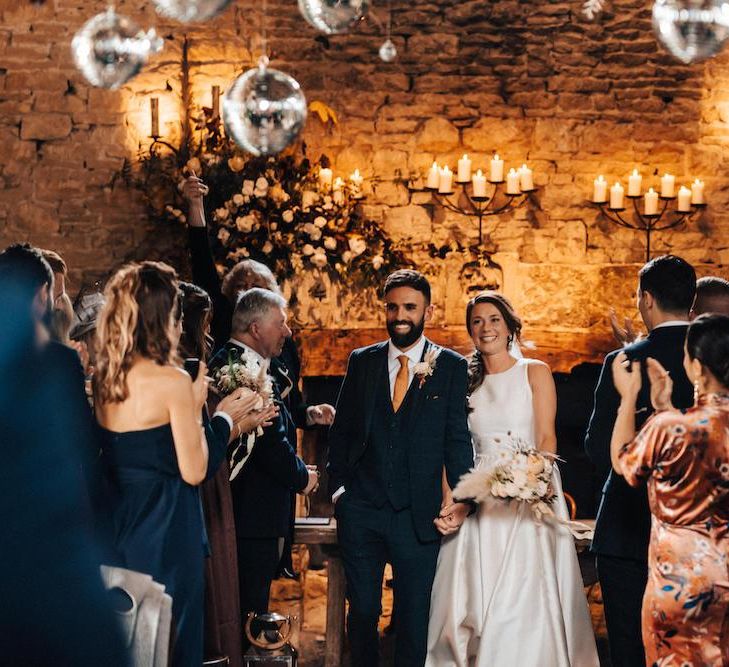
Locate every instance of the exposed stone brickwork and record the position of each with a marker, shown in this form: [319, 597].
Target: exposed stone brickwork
[534, 81]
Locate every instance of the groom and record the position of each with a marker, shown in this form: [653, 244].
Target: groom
[401, 418]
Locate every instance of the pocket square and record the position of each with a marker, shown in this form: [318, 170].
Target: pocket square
[434, 397]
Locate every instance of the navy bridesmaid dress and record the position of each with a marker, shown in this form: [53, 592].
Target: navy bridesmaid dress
[158, 527]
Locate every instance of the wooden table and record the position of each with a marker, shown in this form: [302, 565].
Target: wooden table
[336, 587]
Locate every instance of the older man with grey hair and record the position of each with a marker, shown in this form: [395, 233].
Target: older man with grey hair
[262, 490]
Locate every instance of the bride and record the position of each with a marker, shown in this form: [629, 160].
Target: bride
[508, 590]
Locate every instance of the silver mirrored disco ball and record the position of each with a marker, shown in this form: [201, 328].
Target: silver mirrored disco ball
[333, 16]
[388, 51]
[187, 11]
[264, 110]
[110, 49]
[691, 30]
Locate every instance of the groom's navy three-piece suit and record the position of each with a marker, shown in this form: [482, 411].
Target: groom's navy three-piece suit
[390, 464]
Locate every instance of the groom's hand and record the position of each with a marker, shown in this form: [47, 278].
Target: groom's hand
[451, 518]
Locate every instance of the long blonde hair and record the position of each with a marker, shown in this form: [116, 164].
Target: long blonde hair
[141, 310]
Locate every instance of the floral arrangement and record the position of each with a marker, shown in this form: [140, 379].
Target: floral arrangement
[244, 372]
[270, 209]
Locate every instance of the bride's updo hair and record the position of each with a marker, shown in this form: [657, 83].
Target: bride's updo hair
[707, 340]
[476, 368]
[143, 307]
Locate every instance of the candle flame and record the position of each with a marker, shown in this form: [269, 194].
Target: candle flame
[635, 172]
[496, 156]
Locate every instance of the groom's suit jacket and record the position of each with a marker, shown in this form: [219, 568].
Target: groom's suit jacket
[262, 490]
[435, 433]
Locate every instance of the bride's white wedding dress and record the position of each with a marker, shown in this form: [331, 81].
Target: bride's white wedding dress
[508, 590]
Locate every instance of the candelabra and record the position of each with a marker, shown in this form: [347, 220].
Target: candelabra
[649, 223]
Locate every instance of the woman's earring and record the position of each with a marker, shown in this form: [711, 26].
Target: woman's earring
[510, 339]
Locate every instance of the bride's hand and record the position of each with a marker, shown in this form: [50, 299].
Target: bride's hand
[451, 518]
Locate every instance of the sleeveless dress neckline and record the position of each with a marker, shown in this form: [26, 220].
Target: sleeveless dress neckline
[168, 425]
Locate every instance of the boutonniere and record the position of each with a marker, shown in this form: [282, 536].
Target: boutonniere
[425, 368]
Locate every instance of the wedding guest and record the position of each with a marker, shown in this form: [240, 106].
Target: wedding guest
[154, 445]
[666, 287]
[54, 608]
[712, 296]
[222, 606]
[286, 367]
[261, 491]
[684, 458]
[62, 313]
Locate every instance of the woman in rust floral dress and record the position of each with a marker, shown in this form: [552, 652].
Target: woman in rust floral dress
[685, 460]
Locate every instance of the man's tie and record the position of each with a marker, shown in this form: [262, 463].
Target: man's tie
[401, 383]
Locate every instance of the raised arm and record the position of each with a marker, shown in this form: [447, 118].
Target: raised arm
[544, 399]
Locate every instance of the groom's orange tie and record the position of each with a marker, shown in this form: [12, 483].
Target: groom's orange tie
[401, 383]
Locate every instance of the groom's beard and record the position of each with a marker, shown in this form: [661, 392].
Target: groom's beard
[403, 340]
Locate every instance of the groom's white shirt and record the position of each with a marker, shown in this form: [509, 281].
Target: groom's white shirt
[414, 355]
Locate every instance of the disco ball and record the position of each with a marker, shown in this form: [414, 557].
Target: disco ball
[388, 52]
[333, 16]
[110, 49]
[187, 11]
[264, 110]
[691, 30]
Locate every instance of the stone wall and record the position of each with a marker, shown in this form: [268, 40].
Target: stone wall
[536, 82]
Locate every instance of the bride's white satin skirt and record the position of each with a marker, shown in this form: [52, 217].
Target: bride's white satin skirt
[508, 593]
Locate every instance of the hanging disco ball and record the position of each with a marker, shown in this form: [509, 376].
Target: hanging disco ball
[110, 49]
[691, 30]
[333, 16]
[187, 11]
[264, 110]
[388, 51]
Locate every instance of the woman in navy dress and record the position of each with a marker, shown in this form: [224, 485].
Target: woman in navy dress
[154, 449]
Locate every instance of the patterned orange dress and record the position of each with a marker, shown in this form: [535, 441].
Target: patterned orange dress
[685, 459]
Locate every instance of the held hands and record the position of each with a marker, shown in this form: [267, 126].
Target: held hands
[451, 518]
[200, 387]
[313, 483]
[623, 334]
[626, 377]
[661, 385]
[322, 415]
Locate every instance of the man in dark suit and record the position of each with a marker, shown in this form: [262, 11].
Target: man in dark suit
[261, 491]
[401, 419]
[665, 293]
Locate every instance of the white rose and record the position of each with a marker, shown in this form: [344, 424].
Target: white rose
[347, 257]
[520, 477]
[319, 258]
[357, 246]
[267, 247]
[288, 215]
[330, 243]
[511, 489]
[315, 234]
[246, 223]
[320, 221]
[377, 262]
[308, 250]
[248, 187]
[223, 235]
[542, 489]
[261, 183]
[308, 199]
[238, 199]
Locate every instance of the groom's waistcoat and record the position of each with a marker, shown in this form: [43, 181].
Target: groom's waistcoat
[383, 473]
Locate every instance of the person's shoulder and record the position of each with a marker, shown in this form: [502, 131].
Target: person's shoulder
[367, 350]
[447, 355]
[167, 377]
[536, 367]
[60, 357]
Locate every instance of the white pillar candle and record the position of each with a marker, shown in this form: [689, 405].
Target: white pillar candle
[325, 178]
[616, 196]
[445, 185]
[650, 202]
[479, 184]
[668, 185]
[464, 169]
[433, 176]
[512, 182]
[634, 182]
[697, 192]
[526, 177]
[599, 193]
[684, 199]
[496, 175]
[357, 180]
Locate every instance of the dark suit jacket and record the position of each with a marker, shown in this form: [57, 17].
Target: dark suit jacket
[623, 519]
[262, 490]
[438, 432]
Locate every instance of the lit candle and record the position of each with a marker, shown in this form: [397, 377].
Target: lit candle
[216, 101]
[445, 184]
[464, 169]
[684, 199]
[479, 184]
[325, 178]
[496, 174]
[697, 192]
[338, 183]
[154, 112]
[433, 176]
[599, 194]
[357, 180]
[650, 202]
[512, 182]
[526, 178]
[668, 186]
[634, 182]
[616, 196]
